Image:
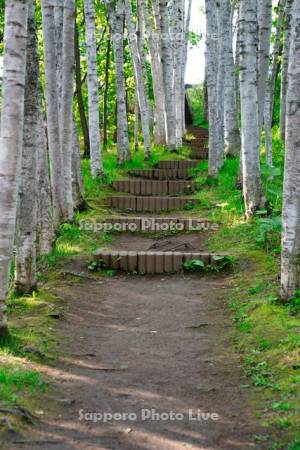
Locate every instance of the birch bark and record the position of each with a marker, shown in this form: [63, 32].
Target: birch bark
[212, 57]
[93, 95]
[231, 130]
[25, 260]
[52, 108]
[265, 8]
[68, 63]
[14, 67]
[290, 266]
[249, 107]
[138, 74]
[116, 18]
[157, 76]
[285, 65]
[168, 73]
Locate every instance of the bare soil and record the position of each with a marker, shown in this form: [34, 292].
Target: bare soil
[131, 344]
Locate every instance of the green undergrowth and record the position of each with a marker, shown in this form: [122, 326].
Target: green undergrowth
[267, 331]
[32, 343]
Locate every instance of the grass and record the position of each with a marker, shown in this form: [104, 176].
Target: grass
[266, 331]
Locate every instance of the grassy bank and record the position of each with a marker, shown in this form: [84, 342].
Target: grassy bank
[266, 331]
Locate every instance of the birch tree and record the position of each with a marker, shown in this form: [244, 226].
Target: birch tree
[153, 38]
[168, 73]
[271, 84]
[290, 268]
[231, 130]
[139, 80]
[265, 8]
[249, 107]
[67, 103]
[14, 67]
[52, 108]
[179, 36]
[215, 120]
[93, 95]
[116, 18]
[285, 64]
[25, 261]
[45, 225]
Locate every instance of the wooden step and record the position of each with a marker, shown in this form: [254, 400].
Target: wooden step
[199, 154]
[149, 204]
[155, 187]
[185, 164]
[162, 174]
[151, 224]
[151, 262]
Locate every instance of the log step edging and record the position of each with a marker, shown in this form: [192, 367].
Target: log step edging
[152, 224]
[151, 262]
[161, 174]
[154, 187]
[182, 164]
[149, 204]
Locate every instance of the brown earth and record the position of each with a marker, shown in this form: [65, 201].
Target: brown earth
[131, 343]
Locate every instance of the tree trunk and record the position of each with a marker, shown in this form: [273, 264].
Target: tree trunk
[67, 103]
[116, 18]
[52, 107]
[157, 76]
[168, 73]
[212, 67]
[265, 8]
[290, 267]
[139, 79]
[106, 88]
[77, 180]
[93, 96]
[185, 55]
[82, 115]
[25, 260]
[231, 131]
[45, 225]
[249, 107]
[179, 34]
[276, 53]
[285, 65]
[14, 67]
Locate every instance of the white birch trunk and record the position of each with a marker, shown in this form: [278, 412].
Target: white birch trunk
[93, 95]
[77, 180]
[67, 103]
[215, 120]
[53, 116]
[179, 35]
[265, 8]
[276, 53]
[285, 65]
[25, 260]
[249, 107]
[157, 76]
[14, 67]
[185, 55]
[168, 73]
[116, 18]
[268, 125]
[139, 80]
[231, 131]
[290, 268]
[45, 225]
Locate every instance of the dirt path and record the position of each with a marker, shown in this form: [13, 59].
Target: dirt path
[131, 343]
[145, 362]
